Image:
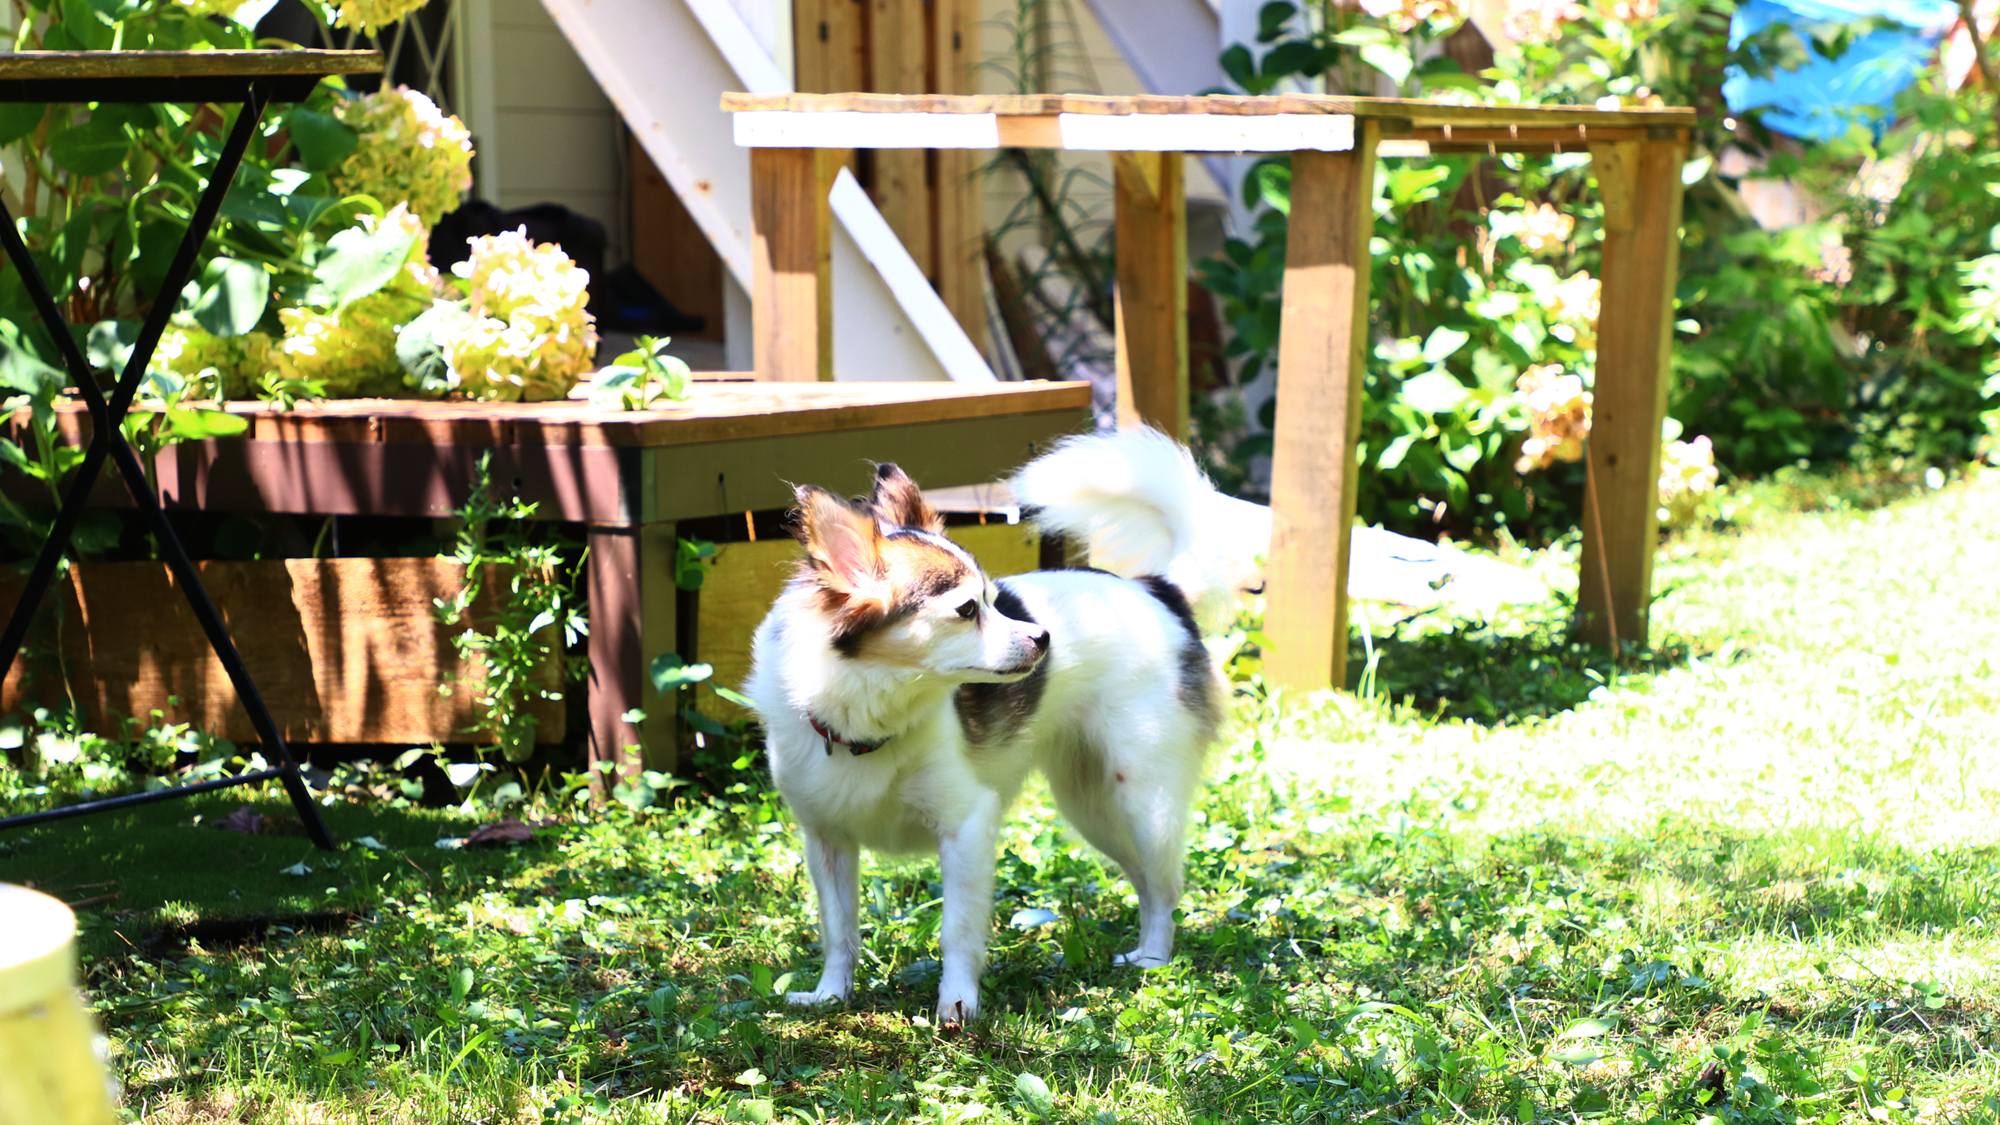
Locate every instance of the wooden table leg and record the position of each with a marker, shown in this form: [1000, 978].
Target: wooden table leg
[791, 249]
[630, 583]
[1322, 362]
[1641, 186]
[1152, 291]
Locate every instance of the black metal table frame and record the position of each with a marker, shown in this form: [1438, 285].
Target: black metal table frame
[107, 439]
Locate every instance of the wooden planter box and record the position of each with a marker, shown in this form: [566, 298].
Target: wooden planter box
[343, 650]
[629, 478]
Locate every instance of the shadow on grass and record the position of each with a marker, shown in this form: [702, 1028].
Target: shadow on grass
[1494, 672]
[154, 878]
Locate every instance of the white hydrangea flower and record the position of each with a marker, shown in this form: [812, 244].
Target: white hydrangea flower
[231, 365]
[410, 152]
[1407, 15]
[1576, 301]
[1687, 473]
[1559, 417]
[1538, 21]
[368, 16]
[530, 338]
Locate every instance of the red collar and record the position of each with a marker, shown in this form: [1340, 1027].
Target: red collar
[855, 748]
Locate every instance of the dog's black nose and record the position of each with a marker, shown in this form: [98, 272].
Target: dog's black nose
[1040, 640]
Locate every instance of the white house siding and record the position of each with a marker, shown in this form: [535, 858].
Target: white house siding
[546, 132]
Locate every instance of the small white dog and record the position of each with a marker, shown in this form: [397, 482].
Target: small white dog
[906, 695]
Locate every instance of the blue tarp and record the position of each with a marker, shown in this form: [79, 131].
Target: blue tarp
[1819, 100]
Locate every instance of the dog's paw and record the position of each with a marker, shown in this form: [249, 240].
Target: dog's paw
[815, 998]
[957, 1010]
[1140, 959]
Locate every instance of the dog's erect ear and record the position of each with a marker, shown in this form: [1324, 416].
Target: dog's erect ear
[844, 544]
[898, 502]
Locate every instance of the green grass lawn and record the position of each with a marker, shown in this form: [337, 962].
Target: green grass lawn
[1754, 878]
[162, 877]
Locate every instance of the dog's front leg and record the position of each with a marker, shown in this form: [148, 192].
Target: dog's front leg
[836, 873]
[966, 858]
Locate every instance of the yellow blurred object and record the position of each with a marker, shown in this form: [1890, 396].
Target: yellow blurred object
[49, 1070]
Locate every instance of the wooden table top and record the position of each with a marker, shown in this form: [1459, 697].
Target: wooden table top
[714, 412]
[32, 65]
[1218, 123]
[1418, 113]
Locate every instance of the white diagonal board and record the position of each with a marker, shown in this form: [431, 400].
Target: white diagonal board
[665, 65]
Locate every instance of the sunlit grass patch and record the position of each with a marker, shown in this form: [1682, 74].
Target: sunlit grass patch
[1757, 881]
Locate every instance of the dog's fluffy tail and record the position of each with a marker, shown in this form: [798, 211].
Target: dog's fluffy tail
[1143, 506]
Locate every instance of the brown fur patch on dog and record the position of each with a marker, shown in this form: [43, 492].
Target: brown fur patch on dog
[864, 580]
[898, 502]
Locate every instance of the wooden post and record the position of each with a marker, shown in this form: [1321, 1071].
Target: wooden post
[959, 243]
[1151, 306]
[1322, 362]
[630, 583]
[1641, 186]
[898, 40]
[791, 249]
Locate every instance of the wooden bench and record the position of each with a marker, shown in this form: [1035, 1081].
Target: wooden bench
[796, 140]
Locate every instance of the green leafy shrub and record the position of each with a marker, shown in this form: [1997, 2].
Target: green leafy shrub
[106, 192]
[538, 615]
[1852, 336]
[47, 752]
[1981, 320]
[318, 258]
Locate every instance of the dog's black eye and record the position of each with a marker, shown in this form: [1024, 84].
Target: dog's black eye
[969, 610]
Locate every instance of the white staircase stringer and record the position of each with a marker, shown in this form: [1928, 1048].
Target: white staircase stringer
[665, 64]
[1175, 48]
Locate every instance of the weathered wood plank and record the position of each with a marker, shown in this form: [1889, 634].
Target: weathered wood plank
[1417, 112]
[1321, 366]
[713, 412]
[1081, 132]
[33, 65]
[607, 487]
[689, 481]
[1151, 298]
[829, 45]
[735, 597]
[791, 250]
[1149, 132]
[344, 650]
[830, 48]
[960, 244]
[632, 619]
[898, 47]
[1616, 166]
[1512, 137]
[1629, 401]
[668, 247]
